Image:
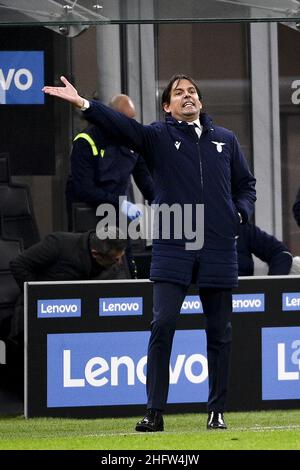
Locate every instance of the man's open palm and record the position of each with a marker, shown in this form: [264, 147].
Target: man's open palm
[67, 92]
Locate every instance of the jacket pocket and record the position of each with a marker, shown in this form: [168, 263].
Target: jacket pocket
[236, 221]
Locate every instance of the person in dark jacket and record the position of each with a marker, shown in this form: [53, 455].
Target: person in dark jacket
[296, 208]
[64, 256]
[195, 164]
[254, 241]
[101, 170]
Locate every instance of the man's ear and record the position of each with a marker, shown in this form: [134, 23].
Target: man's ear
[166, 107]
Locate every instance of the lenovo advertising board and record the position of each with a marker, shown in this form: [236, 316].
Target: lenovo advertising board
[87, 348]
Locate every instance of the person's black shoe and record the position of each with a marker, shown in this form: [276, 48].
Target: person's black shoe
[216, 421]
[152, 422]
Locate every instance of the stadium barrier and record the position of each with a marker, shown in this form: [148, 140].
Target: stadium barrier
[86, 346]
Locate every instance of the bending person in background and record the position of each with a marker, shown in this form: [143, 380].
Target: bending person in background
[64, 256]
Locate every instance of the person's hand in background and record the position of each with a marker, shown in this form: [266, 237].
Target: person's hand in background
[131, 211]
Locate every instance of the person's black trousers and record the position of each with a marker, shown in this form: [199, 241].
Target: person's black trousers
[217, 307]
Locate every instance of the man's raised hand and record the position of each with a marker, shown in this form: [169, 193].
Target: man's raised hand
[67, 92]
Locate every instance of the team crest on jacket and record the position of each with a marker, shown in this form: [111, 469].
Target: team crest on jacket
[219, 145]
[177, 144]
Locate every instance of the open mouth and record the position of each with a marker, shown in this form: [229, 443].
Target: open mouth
[188, 103]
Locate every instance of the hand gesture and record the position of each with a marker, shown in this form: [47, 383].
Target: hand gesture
[67, 92]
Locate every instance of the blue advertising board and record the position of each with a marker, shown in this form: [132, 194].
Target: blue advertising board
[86, 348]
[21, 77]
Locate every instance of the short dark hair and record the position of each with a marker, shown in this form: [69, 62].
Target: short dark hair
[106, 239]
[166, 95]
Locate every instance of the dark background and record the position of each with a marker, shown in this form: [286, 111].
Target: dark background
[27, 131]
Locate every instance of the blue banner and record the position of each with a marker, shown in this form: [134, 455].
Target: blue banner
[99, 369]
[242, 303]
[291, 301]
[21, 77]
[116, 306]
[281, 363]
[59, 308]
[191, 304]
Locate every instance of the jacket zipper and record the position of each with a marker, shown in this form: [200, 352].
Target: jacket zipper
[201, 170]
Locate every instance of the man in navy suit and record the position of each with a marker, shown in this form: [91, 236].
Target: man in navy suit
[195, 163]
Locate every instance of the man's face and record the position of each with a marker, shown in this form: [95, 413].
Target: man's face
[109, 259]
[184, 101]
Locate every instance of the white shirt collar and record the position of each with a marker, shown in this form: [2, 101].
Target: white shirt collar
[197, 122]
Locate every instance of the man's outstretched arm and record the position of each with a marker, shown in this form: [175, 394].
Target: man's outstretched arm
[117, 127]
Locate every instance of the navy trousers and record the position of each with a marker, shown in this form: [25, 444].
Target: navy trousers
[217, 307]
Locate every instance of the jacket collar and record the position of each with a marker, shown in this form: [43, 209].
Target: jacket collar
[205, 120]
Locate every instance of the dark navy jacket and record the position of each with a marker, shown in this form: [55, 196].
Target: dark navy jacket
[188, 170]
[102, 178]
[296, 208]
[254, 241]
[61, 256]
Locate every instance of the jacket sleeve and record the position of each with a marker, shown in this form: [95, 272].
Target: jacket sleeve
[28, 264]
[268, 249]
[243, 183]
[296, 208]
[121, 129]
[143, 179]
[83, 175]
